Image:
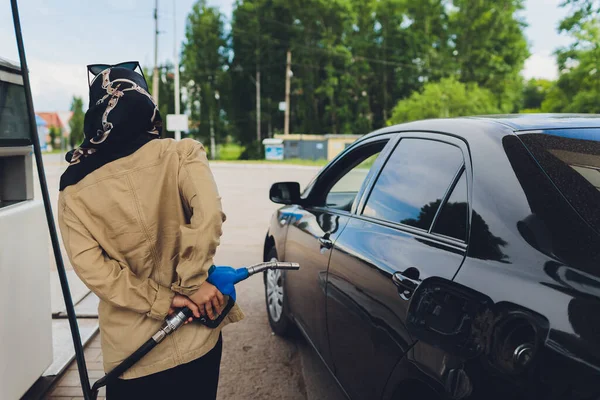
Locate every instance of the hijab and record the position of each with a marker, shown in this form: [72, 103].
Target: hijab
[122, 117]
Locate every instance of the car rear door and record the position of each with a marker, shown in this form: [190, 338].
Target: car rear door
[316, 225]
[410, 224]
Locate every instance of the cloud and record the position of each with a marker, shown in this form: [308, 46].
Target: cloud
[54, 84]
[541, 65]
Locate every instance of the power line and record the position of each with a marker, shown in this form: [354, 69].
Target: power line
[334, 52]
[328, 50]
[297, 27]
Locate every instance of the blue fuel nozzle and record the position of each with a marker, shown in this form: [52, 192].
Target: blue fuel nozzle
[225, 279]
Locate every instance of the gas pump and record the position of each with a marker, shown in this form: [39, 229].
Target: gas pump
[26, 326]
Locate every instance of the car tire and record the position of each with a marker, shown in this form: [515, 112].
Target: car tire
[276, 300]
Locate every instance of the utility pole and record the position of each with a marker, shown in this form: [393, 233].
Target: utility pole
[155, 73]
[270, 127]
[288, 75]
[176, 62]
[258, 135]
[213, 147]
[385, 86]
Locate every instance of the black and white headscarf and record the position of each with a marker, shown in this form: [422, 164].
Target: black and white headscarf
[122, 117]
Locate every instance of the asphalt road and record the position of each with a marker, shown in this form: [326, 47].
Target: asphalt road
[256, 364]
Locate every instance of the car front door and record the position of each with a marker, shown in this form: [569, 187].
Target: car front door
[398, 236]
[314, 228]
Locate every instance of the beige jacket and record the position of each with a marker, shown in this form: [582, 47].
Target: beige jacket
[137, 230]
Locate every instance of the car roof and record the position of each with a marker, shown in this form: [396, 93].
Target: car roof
[529, 122]
[499, 125]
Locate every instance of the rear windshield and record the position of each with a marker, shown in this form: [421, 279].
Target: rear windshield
[571, 158]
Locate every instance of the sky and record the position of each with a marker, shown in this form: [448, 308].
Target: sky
[63, 36]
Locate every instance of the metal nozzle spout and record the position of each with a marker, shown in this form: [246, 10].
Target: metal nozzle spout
[260, 267]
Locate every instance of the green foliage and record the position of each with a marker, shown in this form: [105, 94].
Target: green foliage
[491, 48]
[581, 12]
[230, 151]
[554, 100]
[253, 151]
[204, 61]
[535, 92]
[55, 133]
[447, 98]
[76, 122]
[578, 87]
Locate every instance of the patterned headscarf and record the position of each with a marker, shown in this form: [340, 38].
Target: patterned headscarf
[122, 117]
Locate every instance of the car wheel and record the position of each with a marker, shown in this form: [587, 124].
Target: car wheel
[277, 307]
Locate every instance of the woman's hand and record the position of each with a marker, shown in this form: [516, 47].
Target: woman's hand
[209, 299]
[180, 301]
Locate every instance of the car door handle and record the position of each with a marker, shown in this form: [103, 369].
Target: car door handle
[406, 282]
[325, 242]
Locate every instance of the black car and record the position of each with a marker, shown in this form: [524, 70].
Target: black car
[449, 259]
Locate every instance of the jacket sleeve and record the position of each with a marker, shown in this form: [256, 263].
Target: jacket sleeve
[111, 280]
[200, 237]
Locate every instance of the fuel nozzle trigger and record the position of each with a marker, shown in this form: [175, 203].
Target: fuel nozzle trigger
[224, 279]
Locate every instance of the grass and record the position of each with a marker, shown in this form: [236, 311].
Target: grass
[230, 151]
[291, 161]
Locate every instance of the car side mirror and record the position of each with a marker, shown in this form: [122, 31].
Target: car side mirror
[285, 193]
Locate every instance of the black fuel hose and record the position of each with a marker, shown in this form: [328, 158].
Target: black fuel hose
[171, 324]
[126, 364]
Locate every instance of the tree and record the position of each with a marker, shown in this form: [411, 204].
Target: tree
[534, 94]
[204, 62]
[76, 122]
[259, 39]
[578, 86]
[447, 98]
[491, 48]
[55, 133]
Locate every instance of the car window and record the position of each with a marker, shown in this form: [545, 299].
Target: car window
[452, 219]
[413, 182]
[344, 191]
[571, 159]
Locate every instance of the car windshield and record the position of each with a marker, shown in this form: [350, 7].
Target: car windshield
[571, 158]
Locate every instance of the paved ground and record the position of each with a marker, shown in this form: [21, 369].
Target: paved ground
[256, 364]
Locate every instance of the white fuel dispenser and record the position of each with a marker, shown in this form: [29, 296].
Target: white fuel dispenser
[24, 249]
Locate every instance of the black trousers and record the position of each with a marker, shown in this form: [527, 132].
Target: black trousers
[196, 380]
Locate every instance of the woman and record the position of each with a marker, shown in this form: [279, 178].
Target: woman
[141, 220]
